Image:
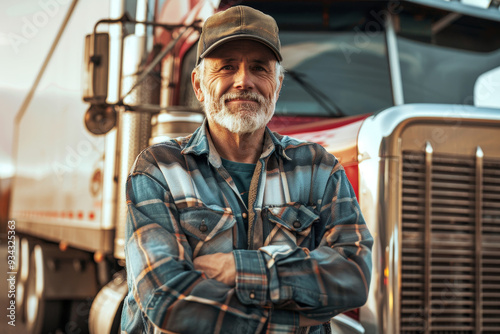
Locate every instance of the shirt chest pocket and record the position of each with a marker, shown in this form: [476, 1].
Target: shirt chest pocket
[208, 231]
[290, 224]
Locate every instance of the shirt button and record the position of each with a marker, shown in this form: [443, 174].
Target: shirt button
[297, 224]
[244, 215]
[203, 227]
[252, 295]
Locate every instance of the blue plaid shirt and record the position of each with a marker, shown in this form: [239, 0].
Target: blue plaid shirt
[306, 250]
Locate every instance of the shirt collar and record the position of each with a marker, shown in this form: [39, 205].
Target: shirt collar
[201, 143]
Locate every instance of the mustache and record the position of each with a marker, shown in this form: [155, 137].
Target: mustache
[245, 95]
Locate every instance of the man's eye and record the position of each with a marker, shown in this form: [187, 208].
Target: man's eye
[259, 68]
[227, 68]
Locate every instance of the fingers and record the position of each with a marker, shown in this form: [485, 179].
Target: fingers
[218, 266]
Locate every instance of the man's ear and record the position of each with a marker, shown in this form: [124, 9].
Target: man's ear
[281, 85]
[195, 80]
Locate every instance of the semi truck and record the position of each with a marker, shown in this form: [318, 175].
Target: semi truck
[404, 93]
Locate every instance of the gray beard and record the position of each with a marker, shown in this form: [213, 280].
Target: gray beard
[247, 118]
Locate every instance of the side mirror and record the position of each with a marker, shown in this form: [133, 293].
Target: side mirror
[96, 68]
[487, 89]
[100, 118]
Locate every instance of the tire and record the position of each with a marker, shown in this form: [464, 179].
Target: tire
[23, 258]
[42, 315]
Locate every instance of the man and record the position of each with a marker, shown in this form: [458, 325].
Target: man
[236, 229]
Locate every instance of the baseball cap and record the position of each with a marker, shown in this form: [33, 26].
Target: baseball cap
[239, 22]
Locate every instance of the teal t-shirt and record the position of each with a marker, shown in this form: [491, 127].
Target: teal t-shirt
[242, 176]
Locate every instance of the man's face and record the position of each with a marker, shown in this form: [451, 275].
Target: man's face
[239, 86]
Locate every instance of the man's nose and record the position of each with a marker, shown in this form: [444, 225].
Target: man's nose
[243, 79]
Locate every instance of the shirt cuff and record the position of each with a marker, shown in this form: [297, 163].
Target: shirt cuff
[251, 277]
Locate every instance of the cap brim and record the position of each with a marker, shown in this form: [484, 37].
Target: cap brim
[242, 36]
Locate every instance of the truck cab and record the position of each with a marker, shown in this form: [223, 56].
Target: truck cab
[404, 94]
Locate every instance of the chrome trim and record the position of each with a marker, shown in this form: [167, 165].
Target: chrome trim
[117, 9]
[376, 131]
[460, 7]
[188, 117]
[134, 128]
[427, 230]
[478, 239]
[393, 57]
[134, 131]
[380, 191]
[108, 207]
[173, 124]
[378, 187]
[341, 323]
[108, 182]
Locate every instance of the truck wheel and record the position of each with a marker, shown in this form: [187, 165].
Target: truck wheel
[23, 258]
[42, 315]
[106, 310]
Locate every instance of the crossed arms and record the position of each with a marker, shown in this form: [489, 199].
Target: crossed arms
[273, 287]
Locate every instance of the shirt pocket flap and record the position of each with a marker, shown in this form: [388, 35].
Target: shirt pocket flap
[204, 223]
[296, 217]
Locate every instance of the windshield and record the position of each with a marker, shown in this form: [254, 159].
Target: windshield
[441, 62]
[335, 55]
[355, 82]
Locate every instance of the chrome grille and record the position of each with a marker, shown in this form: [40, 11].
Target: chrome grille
[450, 268]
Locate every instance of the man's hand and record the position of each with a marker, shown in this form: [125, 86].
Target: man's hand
[306, 322]
[218, 266]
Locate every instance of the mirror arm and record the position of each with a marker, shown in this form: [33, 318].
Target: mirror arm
[126, 19]
[153, 64]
